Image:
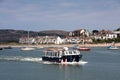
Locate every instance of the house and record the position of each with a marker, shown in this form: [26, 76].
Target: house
[105, 34]
[117, 32]
[79, 33]
[72, 40]
[58, 40]
[78, 36]
[25, 40]
[49, 40]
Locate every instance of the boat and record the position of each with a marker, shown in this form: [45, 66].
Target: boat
[27, 48]
[61, 55]
[112, 47]
[8, 47]
[1, 48]
[82, 48]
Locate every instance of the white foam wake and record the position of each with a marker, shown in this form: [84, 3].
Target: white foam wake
[75, 63]
[32, 59]
[19, 58]
[67, 63]
[39, 60]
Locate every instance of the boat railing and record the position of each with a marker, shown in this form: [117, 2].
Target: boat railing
[74, 52]
[53, 53]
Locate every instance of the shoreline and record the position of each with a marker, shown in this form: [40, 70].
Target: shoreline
[61, 45]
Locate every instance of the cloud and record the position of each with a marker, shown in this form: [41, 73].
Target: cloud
[75, 13]
[66, 4]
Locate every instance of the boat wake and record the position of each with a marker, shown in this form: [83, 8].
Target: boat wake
[19, 58]
[67, 63]
[38, 60]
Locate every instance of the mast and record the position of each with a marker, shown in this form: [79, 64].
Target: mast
[28, 37]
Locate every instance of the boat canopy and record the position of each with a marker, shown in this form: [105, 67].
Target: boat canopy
[58, 52]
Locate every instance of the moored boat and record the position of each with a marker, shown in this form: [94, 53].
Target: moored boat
[112, 47]
[27, 49]
[8, 47]
[1, 48]
[61, 55]
[83, 48]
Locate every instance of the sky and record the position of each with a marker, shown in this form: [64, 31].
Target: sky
[69, 15]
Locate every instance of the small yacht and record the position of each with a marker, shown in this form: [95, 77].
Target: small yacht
[112, 47]
[61, 55]
[27, 48]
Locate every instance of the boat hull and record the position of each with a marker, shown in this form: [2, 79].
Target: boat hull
[84, 49]
[113, 48]
[69, 58]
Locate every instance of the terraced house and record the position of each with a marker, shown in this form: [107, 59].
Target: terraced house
[105, 34]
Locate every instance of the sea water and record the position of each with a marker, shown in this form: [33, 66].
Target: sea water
[102, 64]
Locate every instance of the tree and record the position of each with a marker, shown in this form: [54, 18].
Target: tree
[118, 29]
[95, 32]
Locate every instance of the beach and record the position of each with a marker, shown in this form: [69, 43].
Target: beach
[61, 45]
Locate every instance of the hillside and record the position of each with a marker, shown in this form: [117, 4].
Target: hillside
[9, 35]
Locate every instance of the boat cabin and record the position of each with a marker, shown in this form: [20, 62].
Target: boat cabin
[61, 54]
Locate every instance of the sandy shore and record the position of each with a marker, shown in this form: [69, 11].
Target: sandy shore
[63, 45]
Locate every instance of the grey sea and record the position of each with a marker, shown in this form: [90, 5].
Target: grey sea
[102, 64]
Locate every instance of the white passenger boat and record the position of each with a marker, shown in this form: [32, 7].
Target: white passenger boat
[61, 55]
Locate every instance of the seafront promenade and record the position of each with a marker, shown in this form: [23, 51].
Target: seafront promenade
[61, 45]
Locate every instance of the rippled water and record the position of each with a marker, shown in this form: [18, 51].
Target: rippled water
[102, 64]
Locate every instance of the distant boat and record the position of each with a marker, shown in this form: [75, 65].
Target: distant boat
[112, 47]
[28, 48]
[83, 48]
[8, 47]
[1, 48]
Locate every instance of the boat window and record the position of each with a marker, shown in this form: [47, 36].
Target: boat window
[67, 52]
[60, 53]
[64, 52]
[70, 52]
[46, 53]
[55, 54]
[51, 54]
[73, 52]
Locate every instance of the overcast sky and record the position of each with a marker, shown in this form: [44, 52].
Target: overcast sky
[67, 15]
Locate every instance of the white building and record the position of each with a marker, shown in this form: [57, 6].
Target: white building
[105, 34]
[25, 40]
[49, 40]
